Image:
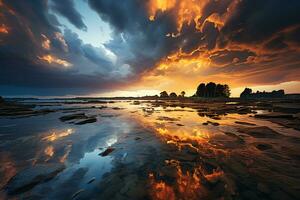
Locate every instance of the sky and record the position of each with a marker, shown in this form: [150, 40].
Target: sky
[142, 47]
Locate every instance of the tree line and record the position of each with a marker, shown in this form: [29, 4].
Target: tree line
[247, 94]
[212, 90]
[164, 94]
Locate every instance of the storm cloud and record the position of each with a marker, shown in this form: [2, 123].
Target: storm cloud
[249, 39]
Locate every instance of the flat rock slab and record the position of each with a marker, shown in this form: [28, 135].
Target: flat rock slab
[275, 115]
[29, 177]
[87, 121]
[73, 117]
[260, 132]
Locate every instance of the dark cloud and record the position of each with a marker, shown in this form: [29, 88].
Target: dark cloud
[255, 20]
[67, 9]
[236, 36]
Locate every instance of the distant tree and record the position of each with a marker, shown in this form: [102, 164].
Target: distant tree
[1, 100]
[164, 94]
[246, 93]
[182, 93]
[226, 91]
[211, 89]
[201, 90]
[173, 95]
[220, 90]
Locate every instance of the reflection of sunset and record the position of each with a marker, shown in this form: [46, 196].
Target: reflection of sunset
[3, 29]
[188, 185]
[49, 151]
[58, 134]
[67, 152]
[8, 168]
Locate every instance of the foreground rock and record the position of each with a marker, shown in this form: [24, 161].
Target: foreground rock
[79, 118]
[260, 132]
[107, 151]
[245, 123]
[87, 121]
[73, 117]
[275, 116]
[29, 177]
[12, 109]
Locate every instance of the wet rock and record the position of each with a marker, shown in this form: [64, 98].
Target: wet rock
[87, 121]
[243, 110]
[29, 177]
[213, 123]
[136, 103]
[275, 115]
[108, 116]
[137, 138]
[18, 110]
[92, 180]
[263, 147]
[162, 118]
[102, 107]
[245, 123]
[73, 117]
[77, 193]
[238, 138]
[107, 151]
[117, 108]
[260, 132]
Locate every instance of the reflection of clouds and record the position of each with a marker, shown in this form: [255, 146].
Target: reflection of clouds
[188, 184]
[7, 169]
[58, 134]
[67, 152]
[49, 152]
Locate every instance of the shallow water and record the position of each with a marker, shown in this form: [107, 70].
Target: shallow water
[160, 153]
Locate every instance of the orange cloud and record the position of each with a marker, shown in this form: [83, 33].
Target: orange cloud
[46, 44]
[54, 60]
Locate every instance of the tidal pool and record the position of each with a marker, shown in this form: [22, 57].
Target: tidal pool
[155, 152]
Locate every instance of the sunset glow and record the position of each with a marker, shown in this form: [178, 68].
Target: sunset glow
[54, 60]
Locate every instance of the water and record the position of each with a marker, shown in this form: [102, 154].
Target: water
[160, 153]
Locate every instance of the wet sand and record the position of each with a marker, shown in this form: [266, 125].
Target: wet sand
[131, 149]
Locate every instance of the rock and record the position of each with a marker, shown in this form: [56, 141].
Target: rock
[263, 147]
[107, 151]
[179, 124]
[245, 123]
[137, 138]
[77, 193]
[87, 121]
[136, 103]
[238, 138]
[102, 107]
[29, 177]
[274, 115]
[117, 108]
[213, 123]
[162, 118]
[205, 123]
[260, 132]
[92, 180]
[73, 117]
